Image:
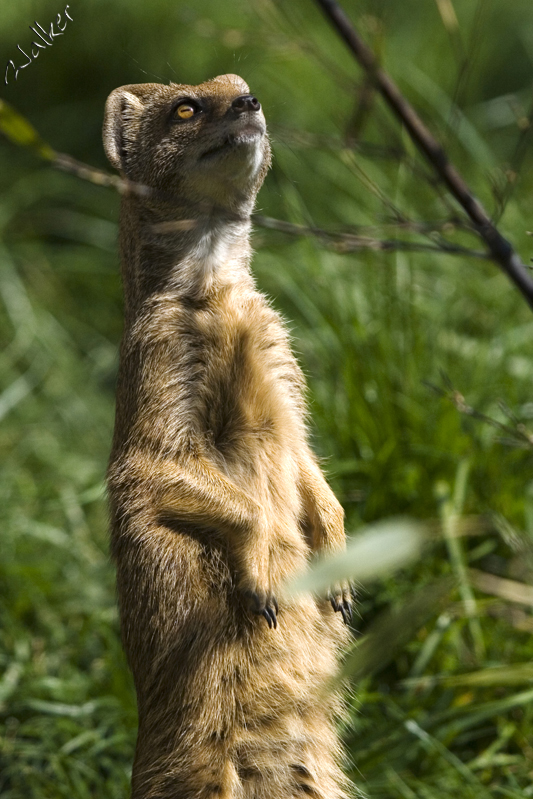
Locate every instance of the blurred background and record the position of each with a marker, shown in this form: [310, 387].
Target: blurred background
[417, 350]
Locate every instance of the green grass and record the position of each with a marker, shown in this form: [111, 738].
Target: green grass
[441, 703]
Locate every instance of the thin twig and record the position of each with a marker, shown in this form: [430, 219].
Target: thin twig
[515, 435]
[68, 164]
[349, 242]
[20, 131]
[500, 249]
[303, 138]
[339, 241]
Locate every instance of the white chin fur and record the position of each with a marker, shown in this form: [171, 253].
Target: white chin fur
[247, 155]
[240, 160]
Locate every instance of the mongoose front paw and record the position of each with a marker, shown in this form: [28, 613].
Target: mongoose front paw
[264, 603]
[340, 596]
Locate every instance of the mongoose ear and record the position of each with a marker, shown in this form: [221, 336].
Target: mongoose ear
[238, 82]
[122, 113]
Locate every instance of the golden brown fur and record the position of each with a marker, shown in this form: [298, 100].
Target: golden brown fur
[215, 495]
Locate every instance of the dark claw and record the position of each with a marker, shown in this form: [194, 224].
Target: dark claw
[341, 602]
[270, 616]
[266, 613]
[264, 605]
[347, 605]
[335, 603]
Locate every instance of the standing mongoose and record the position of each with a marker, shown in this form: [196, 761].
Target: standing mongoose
[216, 498]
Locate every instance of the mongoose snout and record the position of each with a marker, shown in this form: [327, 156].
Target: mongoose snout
[246, 102]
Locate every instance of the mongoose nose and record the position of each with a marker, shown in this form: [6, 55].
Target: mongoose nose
[246, 102]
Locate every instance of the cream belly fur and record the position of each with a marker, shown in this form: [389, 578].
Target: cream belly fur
[216, 498]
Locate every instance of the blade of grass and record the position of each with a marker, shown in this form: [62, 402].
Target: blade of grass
[451, 510]
[393, 629]
[432, 744]
[380, 549]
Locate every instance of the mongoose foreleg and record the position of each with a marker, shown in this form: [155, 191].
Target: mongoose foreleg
[325, 517]
[197, 493]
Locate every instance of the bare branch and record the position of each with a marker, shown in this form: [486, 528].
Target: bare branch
[302, 138]
[68, 164]
[515, 434]
[350, 242]
[18, 130]
[339, 241]
[500, 249]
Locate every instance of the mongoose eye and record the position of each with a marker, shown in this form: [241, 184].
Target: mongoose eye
[186, 110]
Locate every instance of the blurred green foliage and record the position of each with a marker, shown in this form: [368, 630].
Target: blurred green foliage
[442, 703]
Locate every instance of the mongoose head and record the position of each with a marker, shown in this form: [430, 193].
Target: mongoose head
[205, 145]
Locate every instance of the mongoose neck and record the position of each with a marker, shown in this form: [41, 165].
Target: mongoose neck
[189, 254]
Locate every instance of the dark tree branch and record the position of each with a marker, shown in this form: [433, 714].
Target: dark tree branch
[500, 249]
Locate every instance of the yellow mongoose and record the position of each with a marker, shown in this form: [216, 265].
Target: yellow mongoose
[215, 495]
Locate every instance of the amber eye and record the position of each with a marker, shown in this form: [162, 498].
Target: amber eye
[186, 110]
